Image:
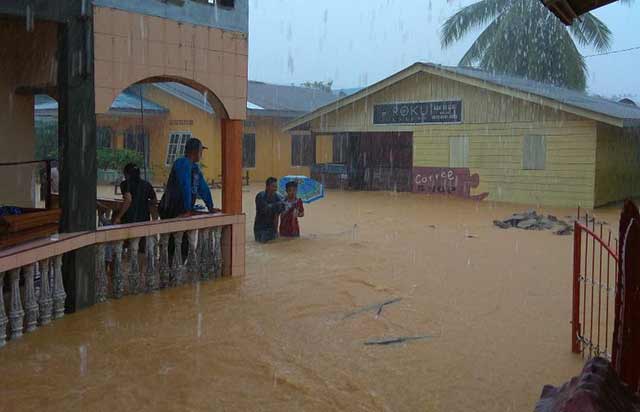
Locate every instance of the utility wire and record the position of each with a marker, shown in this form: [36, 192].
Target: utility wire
[614, 52]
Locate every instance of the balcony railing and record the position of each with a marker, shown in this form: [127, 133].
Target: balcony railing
[36, 294]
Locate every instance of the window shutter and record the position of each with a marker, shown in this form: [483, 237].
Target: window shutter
[459, 151]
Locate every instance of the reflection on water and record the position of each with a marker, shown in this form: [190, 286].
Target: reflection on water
[495, 306]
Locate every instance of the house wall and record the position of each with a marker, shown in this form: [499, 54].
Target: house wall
[617, 164]
[17, 131]
[495, 125]
[273, 150]
[324, 148]
[132, 47]
[184, 117]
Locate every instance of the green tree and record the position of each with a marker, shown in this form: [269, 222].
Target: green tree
[319, 85]
[46, 139]
[523, 38]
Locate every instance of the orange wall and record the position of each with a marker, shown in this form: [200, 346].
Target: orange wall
[17, 135]
[131, 47]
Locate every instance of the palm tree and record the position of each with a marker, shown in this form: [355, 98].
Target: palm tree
[523, 38]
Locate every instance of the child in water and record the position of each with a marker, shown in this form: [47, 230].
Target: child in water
[289, 226]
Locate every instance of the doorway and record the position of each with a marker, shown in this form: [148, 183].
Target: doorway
[380, 161]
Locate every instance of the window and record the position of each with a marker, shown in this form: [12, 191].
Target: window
[340, 147]
[177, 141]
[135, 138]
[534, 153]
[249, 150]
[303, 150]
[459, 151]
[104, 137]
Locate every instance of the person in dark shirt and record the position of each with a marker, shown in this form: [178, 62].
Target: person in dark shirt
[269, 205]
[139, 198]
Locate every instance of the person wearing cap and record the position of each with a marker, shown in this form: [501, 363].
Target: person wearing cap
[186, 183]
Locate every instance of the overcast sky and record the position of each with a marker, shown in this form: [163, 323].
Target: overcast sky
[357, 42]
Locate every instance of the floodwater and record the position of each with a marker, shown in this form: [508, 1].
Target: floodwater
[495, 305]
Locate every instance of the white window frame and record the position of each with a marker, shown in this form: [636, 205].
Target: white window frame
[457, 145]
[183, 136]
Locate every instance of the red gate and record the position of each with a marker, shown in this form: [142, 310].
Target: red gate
[595, 272]
[606, 293]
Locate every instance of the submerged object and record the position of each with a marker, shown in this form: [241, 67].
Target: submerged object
[399, 339]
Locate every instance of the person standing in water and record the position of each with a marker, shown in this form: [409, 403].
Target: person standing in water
[269, 205]
[289, 226]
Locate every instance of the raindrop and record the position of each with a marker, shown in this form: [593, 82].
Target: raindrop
[83, 360]
[199, 329]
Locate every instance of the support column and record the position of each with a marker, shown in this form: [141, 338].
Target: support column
[232, 166]
[231, 186]
[77, 148]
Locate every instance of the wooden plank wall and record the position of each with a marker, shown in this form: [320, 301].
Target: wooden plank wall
[617, 164]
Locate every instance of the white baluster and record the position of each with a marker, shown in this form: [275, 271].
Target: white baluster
[204, 252]
[3, 316]
[101, 273]
[134, 266]
[16, 313]
[151, 277]
[217, 252]
[176, 264]
[165, 270]
[192, 260]
[30, 303]
[118, 276]
[45, 301]
[59, 295]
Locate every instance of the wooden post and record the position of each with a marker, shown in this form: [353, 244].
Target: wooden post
[77, 148]
[626, 335]
[232, 166]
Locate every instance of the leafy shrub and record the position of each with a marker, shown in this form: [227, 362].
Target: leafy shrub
[117, 159]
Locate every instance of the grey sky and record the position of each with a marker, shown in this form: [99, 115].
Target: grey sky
[357, 42]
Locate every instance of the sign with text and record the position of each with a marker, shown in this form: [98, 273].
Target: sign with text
[418, 113]
[456, 181]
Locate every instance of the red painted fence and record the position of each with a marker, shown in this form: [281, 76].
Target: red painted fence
[606, 293]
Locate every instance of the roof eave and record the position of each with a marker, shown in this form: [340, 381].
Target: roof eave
[443, 72]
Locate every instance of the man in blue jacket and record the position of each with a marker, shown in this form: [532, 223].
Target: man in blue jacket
[185, 185]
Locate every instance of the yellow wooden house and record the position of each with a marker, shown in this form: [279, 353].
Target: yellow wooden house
[466, 132]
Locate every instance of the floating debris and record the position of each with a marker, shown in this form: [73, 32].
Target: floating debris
[393, 341]
[531, 220]
[377, 307]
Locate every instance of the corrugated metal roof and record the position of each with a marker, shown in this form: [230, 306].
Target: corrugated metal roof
[581, 104]
[566, 96]
[125, 102]
[288, 98]
[277, 100]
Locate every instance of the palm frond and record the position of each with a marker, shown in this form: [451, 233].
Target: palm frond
[591, 31]
[482, 43]
[469, 18]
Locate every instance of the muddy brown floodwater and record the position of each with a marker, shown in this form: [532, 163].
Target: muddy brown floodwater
[495, 303]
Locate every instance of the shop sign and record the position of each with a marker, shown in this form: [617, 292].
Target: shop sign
[449, 111]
